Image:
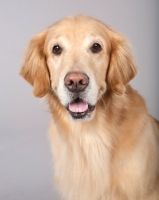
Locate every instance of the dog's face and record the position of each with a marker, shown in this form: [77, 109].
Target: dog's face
[78, 58]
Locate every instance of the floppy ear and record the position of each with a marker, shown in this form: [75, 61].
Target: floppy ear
[122, 67]
[34, 68]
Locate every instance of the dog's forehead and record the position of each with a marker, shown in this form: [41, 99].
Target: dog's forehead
[77, 28]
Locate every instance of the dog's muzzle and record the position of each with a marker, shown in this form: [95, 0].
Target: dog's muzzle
[76, 83]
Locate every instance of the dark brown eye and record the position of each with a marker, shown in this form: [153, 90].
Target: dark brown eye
[57, 50]
[96, 48]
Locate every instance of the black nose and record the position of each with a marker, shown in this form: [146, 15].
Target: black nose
[76, 81]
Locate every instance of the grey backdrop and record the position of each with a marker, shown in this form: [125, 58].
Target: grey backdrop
[26, 168]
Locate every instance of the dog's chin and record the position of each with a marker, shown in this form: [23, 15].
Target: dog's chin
[80, 110]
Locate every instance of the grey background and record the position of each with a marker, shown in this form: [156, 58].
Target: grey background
[26, 168]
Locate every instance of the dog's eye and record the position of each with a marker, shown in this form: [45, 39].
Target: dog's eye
[57, 50]
[96, 48]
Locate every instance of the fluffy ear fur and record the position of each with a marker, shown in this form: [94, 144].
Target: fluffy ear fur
[34, 68]
[122, 67]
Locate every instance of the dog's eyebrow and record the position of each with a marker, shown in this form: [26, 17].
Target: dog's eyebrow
[59, 40]
[89, 40]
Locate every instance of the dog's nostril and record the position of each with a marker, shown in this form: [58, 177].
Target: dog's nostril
[71, 82]
[81, 82]
[76, 81]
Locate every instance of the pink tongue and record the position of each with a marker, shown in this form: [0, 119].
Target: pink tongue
[78, 107]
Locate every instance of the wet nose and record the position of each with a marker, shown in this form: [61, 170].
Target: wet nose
[76, 81]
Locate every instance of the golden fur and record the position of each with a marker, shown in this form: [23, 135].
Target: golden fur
[115, 154]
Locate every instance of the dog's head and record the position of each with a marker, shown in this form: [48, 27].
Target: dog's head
[78, 59]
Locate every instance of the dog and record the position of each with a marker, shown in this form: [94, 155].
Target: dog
[105, 144]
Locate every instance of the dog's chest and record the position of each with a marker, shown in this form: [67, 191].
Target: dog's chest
[82, 163]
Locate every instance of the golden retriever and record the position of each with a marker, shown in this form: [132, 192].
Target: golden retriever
[105, 145]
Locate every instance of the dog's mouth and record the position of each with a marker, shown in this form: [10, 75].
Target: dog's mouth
[79, 109]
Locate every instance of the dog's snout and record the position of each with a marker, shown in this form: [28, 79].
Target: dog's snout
[76, 81]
